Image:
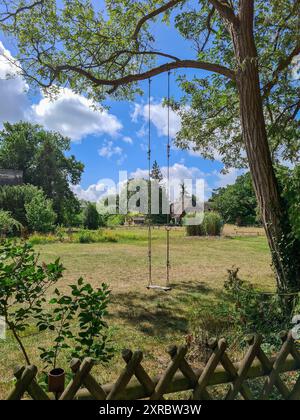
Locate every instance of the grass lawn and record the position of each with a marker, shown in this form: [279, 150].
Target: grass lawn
[139, 318]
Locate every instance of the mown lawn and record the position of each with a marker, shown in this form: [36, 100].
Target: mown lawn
[139, 318]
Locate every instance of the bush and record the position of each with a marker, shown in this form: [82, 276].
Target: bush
[40, 214]
[29, 206]
[87, 237]
[76, 321]
[212, 225]
[255, 311]
[91, 218]
[116, 220]
[8, 225]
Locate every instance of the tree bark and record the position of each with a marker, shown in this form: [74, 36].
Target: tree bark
[285, 248]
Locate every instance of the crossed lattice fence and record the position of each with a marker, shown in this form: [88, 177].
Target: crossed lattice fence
[134, 382]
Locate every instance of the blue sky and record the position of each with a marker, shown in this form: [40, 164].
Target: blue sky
[110, 141]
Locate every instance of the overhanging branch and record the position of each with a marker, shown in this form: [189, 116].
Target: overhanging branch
[131, 78]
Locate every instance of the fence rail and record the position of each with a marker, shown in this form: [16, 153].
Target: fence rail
[134, 382]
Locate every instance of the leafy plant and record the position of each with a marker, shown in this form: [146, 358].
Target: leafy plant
[255, 311]
[8, 225]
[211, 225]
[91, 218]
[87, 307]
[40, 214]
[23, 284]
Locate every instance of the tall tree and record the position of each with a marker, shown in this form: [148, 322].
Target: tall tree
[250, 102]
[156, 173]
[41, 155]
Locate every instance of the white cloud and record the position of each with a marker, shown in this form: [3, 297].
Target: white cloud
[69, 113]
[127, 140]
[13, 89]
[93, 193]
[75, 116]
[159, 118]
[108, 150]
[228, 178]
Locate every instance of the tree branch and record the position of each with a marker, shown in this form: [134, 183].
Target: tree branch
[226, 11]
[283, 64]
[153, 14]
[14, 14]
[131, 78]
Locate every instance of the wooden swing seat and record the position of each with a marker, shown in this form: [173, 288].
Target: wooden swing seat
[163, 288]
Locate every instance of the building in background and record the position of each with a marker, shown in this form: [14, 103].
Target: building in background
[11, 177]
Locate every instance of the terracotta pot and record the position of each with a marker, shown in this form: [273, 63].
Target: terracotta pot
[56, 380]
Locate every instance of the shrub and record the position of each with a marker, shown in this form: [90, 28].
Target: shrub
[255, 311]
[40, 214]
[86, 237]
[116, 220]
[91, 219]
[212, 225]
[8, 225]
[37, 239]
[99, 236]
[29, 206]
[75, 320]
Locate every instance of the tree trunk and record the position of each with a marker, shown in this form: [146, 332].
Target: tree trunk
[284, 247]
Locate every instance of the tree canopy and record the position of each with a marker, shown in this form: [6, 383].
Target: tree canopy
[100, 52]
[41, 155]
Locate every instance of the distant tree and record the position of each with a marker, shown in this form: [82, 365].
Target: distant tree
[41, 156]
[156, 173]
[237, 203]
[91, 218]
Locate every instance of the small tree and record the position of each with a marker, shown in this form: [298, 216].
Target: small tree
[23, 283]
[40, 214]
[156, 173]
[91, 219]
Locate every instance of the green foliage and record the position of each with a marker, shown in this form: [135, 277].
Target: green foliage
[211, 225]
[23, 287]
[77, 30]
[116, 220]
[8, 225]
[290, 184]
[23, 284]
[237, 203]
[40, 215]
[91, 219]
[41, 157]
[87, 307]
[156, 173]
[15, 198]
[255, 311]
[87, 237]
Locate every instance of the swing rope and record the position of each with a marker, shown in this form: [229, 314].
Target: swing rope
[168, 186]
[149, 191]
[168, 225]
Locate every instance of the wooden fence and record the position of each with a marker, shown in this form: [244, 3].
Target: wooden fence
[134, 383]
